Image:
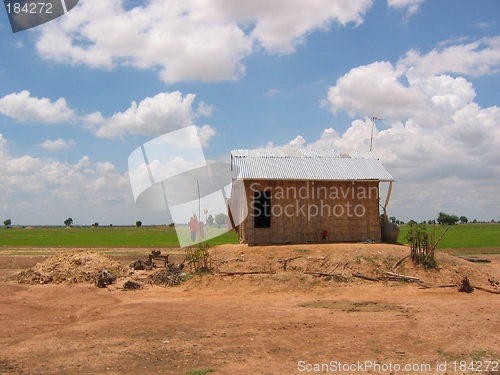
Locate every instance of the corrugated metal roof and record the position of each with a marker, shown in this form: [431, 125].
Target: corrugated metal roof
[299, 164]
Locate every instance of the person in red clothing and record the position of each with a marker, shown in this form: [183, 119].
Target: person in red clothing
[193, 227]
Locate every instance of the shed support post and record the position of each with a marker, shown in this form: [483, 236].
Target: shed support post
[387, 200]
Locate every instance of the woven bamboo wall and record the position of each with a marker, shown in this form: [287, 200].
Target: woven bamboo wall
[302, 210]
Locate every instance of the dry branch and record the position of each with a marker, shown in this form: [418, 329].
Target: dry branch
[426, 286]
[335, 275]
[486, 290]
[365, 277]
[399, 261]
[403, 277]
[285, 261]
[475, 259]
[245, 273]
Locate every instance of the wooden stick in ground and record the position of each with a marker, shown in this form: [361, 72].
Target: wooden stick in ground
[399, 262]
[440, 238]
[365, 277]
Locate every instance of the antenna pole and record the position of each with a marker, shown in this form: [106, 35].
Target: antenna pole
[373, 118]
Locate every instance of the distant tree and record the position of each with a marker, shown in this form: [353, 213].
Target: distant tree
[110, 225]
[210, 220]
[96, 224]
[68, 222]
[463, 219]
[444, 218]
[171, 225]
[474, 221]
[7, 222]
[138, 223]
[412, 222]
[492, 221]
[220, 219]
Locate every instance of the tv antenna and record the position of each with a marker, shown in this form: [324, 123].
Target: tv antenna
[373, 118]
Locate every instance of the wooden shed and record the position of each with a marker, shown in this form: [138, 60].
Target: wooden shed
[300, 196]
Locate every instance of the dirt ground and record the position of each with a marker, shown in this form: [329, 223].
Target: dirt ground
[278, 322]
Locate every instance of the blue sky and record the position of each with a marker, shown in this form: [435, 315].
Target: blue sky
[250, 74]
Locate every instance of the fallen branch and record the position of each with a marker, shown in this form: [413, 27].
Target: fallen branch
[245, 273]
[425, 286]
[486, 290]
[365, 277]
[399, 262]
[335, 275]
[403, 277]
[285, 261]
[475, 259]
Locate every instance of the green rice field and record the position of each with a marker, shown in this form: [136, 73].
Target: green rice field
[461, 236]
[159, 236]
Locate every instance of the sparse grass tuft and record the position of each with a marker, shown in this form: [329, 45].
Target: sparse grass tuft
[200, 372]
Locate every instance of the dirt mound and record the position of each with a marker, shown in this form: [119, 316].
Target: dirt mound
[70, 267]
[305, 266]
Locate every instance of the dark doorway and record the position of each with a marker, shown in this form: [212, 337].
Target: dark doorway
[262, 209]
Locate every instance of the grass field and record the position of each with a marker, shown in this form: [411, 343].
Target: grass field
[462, 236]
[99, 237]
[458, 236]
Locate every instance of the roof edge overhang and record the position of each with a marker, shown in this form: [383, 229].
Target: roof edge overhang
[308, 179]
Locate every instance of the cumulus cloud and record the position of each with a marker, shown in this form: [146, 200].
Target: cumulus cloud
[411, 6]
[22, 107]
[58, 144]
[439, 144]
[163, 113]
[195, 40]
[473, 59]
[37, 190]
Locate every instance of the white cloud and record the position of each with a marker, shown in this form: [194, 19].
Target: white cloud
[58, 144]
[412, 6]
[197, 40]
[474, 59]
[37, 190]
[163, 113]
[22, 106]
[442, 147]
[204, 109]
[272, 92]
[485, 25]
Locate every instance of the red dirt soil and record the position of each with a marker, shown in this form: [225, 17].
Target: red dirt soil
[257, 324]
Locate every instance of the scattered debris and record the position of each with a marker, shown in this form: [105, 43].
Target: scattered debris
[140, 265]
[104, 278]
[465, 286]
[169, 276]
[131, 285]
